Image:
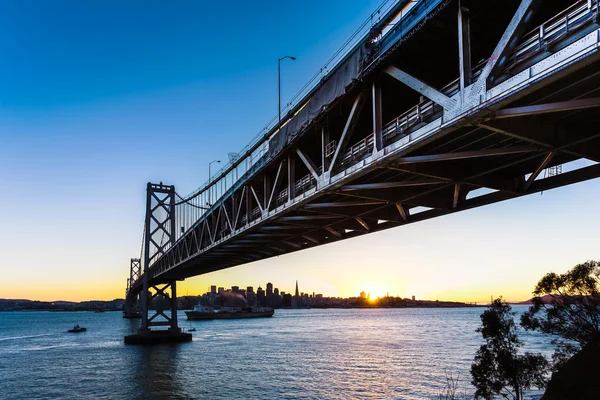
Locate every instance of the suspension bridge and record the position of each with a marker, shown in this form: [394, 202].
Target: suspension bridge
[432, 107]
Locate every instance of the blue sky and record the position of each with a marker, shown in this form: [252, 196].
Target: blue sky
[99, 97]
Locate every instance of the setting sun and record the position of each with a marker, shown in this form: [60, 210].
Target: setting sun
[376, 291]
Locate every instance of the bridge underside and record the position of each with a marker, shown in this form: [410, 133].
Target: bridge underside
[439, 176]
[455, 150]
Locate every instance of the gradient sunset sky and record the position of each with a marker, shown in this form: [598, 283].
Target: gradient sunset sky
[99, 97]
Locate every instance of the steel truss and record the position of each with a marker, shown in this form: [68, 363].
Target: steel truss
[495, 129]
[159, 235]
[132, 305]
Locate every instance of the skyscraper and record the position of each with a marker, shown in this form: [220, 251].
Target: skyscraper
[296, 301]
[269, 294]
[260, 296]
[250, 296]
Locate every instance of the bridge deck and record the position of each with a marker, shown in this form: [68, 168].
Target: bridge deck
[485, 137]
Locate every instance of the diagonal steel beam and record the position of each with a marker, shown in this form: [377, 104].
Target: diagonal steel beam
[456, 196]
[274, 189]
[207, 227]
[333, 231]
[227, 217]
[309, 164]
[216, 227]
[401, 211]
[538, 170]
[237, 214]
[363, 223]
[311, 239]
[421, 87]
[506, 45]
[349, 122]
[256, 198]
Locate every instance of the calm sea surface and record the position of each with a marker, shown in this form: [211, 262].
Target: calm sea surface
[299, 354]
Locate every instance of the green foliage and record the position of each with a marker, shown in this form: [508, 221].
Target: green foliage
[567, 305]
[498, 369]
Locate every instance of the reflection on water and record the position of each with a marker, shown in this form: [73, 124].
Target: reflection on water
[400, 354]
[155, 372]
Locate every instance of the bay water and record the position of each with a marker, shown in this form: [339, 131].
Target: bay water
[296, 354]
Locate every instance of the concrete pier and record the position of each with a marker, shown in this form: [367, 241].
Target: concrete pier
[158, 337]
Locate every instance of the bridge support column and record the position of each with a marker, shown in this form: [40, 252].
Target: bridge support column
[174, 326]
[131, 308]
[158, 294]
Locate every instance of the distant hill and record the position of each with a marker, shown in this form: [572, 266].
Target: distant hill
[60, 305]
[545, 299]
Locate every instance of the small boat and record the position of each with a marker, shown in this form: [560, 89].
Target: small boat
[192, 329]
[207, 313]
[76, 329]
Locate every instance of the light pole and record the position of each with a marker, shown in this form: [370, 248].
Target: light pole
[279, 85]
[209, 180]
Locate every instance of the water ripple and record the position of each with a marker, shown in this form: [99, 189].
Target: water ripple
[297, 354]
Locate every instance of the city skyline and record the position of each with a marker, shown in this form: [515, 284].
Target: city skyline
[84, 130]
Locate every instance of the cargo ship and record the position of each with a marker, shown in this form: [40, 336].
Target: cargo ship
[207, 313]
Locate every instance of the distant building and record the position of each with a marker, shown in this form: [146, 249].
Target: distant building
[260, 296]
[235, 289]
[213, 289]
[413, 297]
[269, 294]
[287, 299]
[250, 296]
[296, 301]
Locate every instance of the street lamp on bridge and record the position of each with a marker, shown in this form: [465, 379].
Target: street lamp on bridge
[279, 86]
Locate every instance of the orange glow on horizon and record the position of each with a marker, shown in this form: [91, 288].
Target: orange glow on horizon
[199, 285]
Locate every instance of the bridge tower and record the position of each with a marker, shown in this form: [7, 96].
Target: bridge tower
[159, 236]
[131, 308]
